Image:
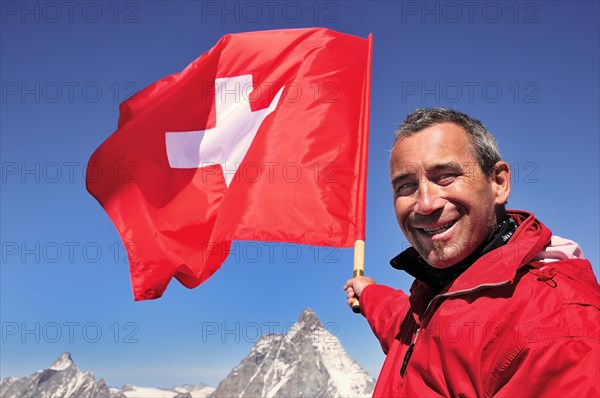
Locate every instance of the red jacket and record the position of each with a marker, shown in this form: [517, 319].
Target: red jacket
[522, 321]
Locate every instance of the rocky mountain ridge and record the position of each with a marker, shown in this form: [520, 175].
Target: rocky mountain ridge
[61, 380]
[307, 361]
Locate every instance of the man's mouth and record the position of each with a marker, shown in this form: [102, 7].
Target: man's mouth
[438, 229]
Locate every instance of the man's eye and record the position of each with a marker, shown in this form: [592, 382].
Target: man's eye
[446, 178]
[405, 189]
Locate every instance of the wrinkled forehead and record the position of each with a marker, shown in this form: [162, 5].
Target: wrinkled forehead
[443, 143]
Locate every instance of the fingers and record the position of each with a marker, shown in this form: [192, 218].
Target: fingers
[350, 296]
[348, 284]
[350, 293]
[355, 286]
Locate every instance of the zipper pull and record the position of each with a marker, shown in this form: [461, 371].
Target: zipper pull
[408, 354]
[406, 359]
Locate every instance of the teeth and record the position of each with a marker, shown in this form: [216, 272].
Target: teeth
[438, 229]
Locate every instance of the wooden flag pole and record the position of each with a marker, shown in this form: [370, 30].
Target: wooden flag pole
[359, 243]
[359, 267]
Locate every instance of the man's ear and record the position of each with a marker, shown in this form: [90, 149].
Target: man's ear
[501, 180]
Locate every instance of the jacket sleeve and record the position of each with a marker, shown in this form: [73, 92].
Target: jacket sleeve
[384, 308]
[560, 367]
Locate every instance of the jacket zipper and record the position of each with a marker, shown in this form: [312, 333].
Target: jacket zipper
[411, 347]
[408, 354]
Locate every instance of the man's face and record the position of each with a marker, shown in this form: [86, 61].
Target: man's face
[444, 203]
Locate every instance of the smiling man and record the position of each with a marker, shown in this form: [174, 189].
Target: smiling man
[499, 306]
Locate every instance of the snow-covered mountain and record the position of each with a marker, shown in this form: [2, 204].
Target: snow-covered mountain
[64, 380]
[183, 391]
[61, 380]
[308, 361]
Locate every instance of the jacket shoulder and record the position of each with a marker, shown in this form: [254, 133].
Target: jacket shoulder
[555, 313]
[572, 280]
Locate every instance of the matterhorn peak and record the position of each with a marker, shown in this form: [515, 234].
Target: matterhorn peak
[308, 361]
[307, 326]
[308, 319]
[63, 362]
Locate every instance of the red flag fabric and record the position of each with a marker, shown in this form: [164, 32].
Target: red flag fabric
[261, 138]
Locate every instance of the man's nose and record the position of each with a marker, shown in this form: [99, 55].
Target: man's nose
[429, 198]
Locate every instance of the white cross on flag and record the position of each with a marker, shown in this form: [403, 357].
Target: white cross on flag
[263, 137]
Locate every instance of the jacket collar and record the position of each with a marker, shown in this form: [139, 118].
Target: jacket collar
[495, 267]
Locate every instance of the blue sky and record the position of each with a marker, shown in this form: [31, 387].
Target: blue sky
[528, 70]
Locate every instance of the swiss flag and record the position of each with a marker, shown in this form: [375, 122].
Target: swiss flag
[264, 137]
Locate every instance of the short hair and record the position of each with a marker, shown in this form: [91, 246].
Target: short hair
[482, 144]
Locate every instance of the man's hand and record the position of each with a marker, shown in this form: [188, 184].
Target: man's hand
[355, 286]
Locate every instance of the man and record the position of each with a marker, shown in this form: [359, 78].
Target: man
[499, 307]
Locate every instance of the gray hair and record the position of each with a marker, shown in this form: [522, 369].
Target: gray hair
[481, 142]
